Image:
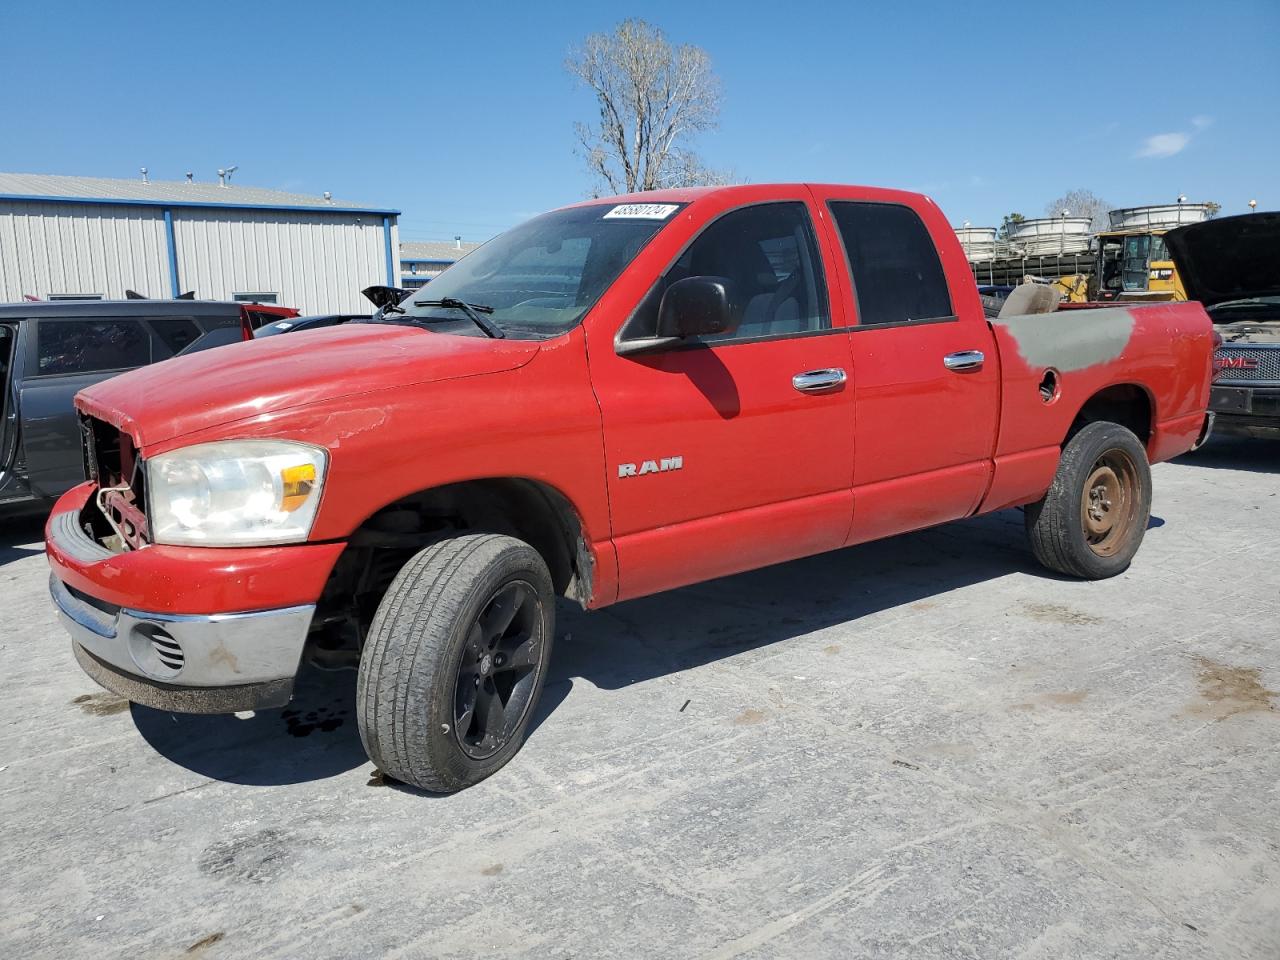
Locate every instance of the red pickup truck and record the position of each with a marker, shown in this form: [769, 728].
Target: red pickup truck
[612, 399]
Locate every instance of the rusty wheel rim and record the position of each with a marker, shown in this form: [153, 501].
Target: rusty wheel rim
[1109, 503]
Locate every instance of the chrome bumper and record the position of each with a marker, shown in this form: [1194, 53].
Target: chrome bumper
[198, 664]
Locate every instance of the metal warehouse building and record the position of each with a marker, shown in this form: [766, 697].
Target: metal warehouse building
[93, 238]
[423, 261]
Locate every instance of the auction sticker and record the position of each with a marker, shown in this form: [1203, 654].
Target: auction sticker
[642, 211]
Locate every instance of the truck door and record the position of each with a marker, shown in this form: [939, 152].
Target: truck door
[10, 486]
[63, 356]
[925, 372]
[732, 452]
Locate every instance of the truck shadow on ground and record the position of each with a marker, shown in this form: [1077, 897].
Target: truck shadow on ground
[656, 636]
[316, 736]
[20, 537]
[1224, 452]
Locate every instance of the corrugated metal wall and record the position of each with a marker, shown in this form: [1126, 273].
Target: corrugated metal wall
[317, 262]
[52, 248]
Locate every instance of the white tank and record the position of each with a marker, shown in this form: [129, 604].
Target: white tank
[1162, 217]
[979, 242]
[1047, 236]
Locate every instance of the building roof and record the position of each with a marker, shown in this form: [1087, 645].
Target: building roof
[172, 193]
[434, 251]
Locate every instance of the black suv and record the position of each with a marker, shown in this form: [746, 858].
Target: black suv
[50, 351]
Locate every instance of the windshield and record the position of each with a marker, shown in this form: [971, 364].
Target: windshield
[1232, 310]
[543, 276]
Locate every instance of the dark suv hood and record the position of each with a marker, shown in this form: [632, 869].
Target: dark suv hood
[1228, 259]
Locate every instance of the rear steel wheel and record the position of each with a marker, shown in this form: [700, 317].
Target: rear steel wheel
[1091, 521]
[1109, 503]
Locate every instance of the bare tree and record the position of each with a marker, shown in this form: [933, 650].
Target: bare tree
[1081, 203]
[653, 98]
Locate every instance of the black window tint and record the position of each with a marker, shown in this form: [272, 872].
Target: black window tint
[770, 255]
[86, 346]
[896, 272]
[176, 333]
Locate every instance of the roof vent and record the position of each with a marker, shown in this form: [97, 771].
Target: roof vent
[224, 176]
[457, 242]
[328, 197]
[190, 176]
[144, 175]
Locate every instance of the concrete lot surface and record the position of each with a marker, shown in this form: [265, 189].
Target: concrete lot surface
[920, 748]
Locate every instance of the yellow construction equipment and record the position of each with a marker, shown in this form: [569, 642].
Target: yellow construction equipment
[1134, 265]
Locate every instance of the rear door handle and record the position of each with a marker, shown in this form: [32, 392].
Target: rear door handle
[815, 381]
[964, 360]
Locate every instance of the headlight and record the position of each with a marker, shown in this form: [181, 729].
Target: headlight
[235, 493]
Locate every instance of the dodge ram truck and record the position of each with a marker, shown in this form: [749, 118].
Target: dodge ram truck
[613, 399]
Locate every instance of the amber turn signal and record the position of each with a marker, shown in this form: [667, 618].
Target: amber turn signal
[298, 483]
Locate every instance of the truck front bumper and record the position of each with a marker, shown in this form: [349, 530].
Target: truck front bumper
[217, 663]
[1246, 411]
[192, 630]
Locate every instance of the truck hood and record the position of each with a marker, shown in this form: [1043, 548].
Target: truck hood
[179, 396]
[1228, 259]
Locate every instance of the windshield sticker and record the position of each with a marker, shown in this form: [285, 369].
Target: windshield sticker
[642, 211]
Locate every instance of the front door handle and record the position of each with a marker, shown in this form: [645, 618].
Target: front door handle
[815, 381]
[964, 360]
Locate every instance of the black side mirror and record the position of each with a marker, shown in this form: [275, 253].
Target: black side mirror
[697, 307]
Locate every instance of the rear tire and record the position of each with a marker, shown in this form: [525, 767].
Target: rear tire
[455, 661]
[1091, 522]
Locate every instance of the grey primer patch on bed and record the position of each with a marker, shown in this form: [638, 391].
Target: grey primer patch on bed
[1070, 339]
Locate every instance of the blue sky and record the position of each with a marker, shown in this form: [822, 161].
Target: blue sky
[461, 115]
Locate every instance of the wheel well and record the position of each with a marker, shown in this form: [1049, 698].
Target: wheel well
[1126, 404]
[530, 511]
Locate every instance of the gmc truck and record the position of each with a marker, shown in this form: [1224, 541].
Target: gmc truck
[613, 399]
[1232, 267]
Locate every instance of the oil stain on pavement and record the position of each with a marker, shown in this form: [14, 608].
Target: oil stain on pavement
[101, 704]
[1226, 691]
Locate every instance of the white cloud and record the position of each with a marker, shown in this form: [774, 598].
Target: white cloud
[1164, 145]
[1161, 145]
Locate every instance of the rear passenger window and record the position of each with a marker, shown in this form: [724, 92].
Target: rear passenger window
[176, 333]
[897, 276]
[769, 253]
[87, 346]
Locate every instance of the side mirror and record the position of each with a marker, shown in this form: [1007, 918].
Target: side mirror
[697, 307]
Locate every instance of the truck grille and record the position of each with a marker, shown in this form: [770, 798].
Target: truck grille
[1240, 364]
[112, 462]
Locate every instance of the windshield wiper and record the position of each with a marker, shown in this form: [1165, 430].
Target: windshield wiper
[472, 310]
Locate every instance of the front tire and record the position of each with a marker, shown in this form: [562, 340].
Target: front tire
[455, 660]
[1091, 522]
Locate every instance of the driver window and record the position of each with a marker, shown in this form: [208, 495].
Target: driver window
[770, 255]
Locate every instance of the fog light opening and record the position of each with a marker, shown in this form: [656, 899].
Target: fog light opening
[156, 651]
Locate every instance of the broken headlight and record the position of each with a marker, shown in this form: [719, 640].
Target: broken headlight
[235, 493]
